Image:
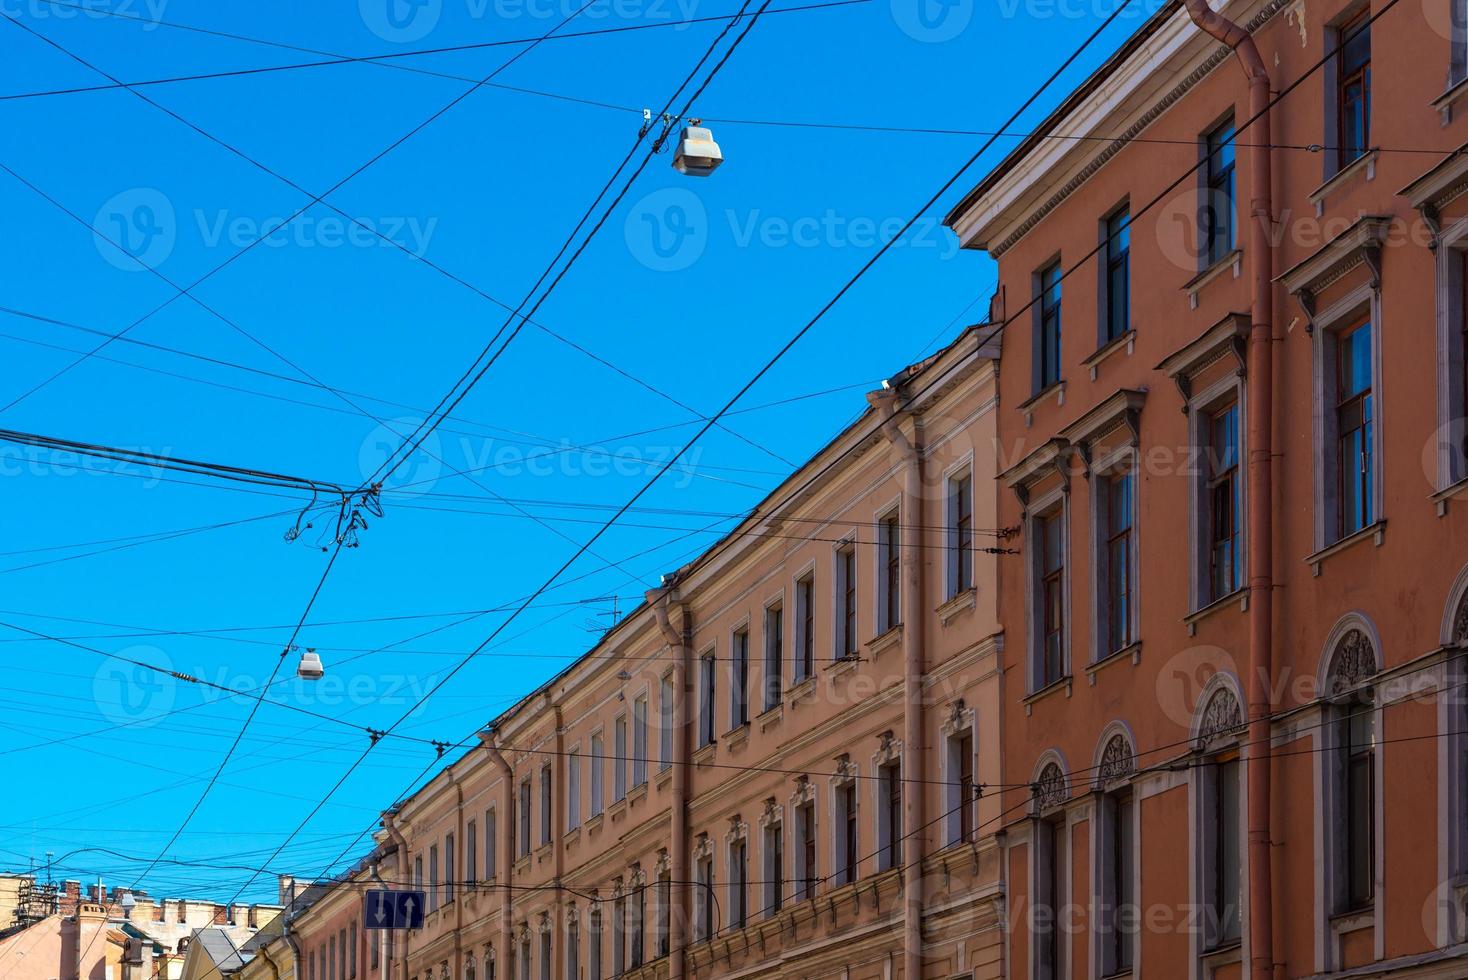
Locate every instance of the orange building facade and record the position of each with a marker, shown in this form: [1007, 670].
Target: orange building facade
[778, 765]
[1231, 429]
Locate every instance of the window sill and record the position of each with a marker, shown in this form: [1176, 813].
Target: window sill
[840, 665]
[639, 792]
[593, 823]
[1241, 596]
[1375, 531]
[771, 717]
[1126, 341]
[1232, 261]
[572, 836]
[1365, 163]
[1224, 954]
[801, 690]
[736, 737]
[1064, 684]
[1131, 652]
[705, 753]
[663, 776]
[522, 864]
[1444, 103]
[886, 641]
[542, 852]
[1054, 390]
[1351, 921]
[617, 810]
[963, 602]
[1447, 494]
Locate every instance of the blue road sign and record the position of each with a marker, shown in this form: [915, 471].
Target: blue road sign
[386, 909]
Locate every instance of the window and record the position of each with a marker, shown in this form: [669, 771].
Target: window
[739, 883]
[1353, 88]
[665, 723]
[523, 817]
[1051, 598]
[706, 724]
[960, 787]
[573, 951]
[774, 867]
[331, 959]
[1118, 926]
[1049, 895]
[774, 655]
[545, 804]
[1117, 561]
[960, 534]
[1216, 223]
[1117, 285]
[342, 942]
[1356, 737]
[704, 906]
[525, 958]
[665, 913]
[545, 954]
[889, 573]
[1223, 859]
[594, 942]
[1223, 512]
[846, 832]
[1047, 327]
[845, 602]
[491, 844]
[619, 935]
[432, 877]
[805, 627]
[598, 774]
[573, 789]
[636, 916]
[619, 759]
[1354, 412]
[450, 869]
[639, 740]
[889, 793]
[471, 856]
[805, 854]
[739, 679]
[352, 949]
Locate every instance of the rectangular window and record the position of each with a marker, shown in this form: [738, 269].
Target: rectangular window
[805, 627]
[1049, 894]
[960, 534]
[1356, 730]
[545, 804]
[805, 854]
[545, 954]
[739, 883]
[471, 855]
[352, 949]
[1119, 912]
[846, 602]
[1221, 832]
[594, 952]
[598, 774]
[432, 877]
[739, 679]
[1354, 411]
[1216, 222]
[342, 941]
[450, 869]
[963, 750]
[523, 817]
[889, 788]
[639, 740]
[665, 723]
[1224, 503]
[619, 759]
[774, 656]
[1047, 311]
[847, 833]
[704, 905]
[491, 844]
[1118, 282]
[619, 935]
[1052, 598]
[889, 573]
[707, 730]
[573, 789]
[1119, 555]
[331, 959]
[665, 912]
[636, 916]
[1353, 88]
[774, 867]
[573, 952]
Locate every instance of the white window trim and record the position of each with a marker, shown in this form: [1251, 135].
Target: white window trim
[1452, 434]
[962, 722]
[844, 777]
[889, 756]
[573, 787]
[639, 759]
[772, 819]
[596, 782]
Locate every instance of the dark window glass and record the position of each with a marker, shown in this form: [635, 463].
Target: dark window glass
[893, 785]
[1217, 220]
[1052, 600]
[739, 872]
[774, 655]
[1224, 894]
[1358, 743]
[1119, 561]
[848, 808]
[740, 671]
[846, 559]
[706, 728]
[1353, 88]
[1049, 346]
[1121, 933]
[965, 750]
[1225, 571]
[806, 820]
[777, 866]
[890, 536]
[806, 610]
[963, 533]
[1118, 274]
[1354, 421]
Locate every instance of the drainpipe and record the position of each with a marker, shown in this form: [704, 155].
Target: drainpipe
[457, 885]
[1260, 483]
[389, 821]
[661, 600]
[914, 749]
[506, 863]
[558, 823]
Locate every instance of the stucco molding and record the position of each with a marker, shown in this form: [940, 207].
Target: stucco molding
[1050, 783]
[1455, 612]
[1115, 759]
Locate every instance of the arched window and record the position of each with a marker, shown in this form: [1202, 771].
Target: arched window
[1352, 770]
[1050, 864]
[1219, 817]
[1460, 621]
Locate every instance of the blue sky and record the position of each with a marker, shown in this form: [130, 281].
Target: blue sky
[690, 287]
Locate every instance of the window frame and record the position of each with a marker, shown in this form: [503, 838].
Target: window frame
[639, 740]
[1054, 506]
[958, 523]
[708, 726]
[1340, 77]
[774, 654]
[1114, 264]
[739, 676]
[888, 571]
[805, 626]
[1047, 348]
[1110, 637]
[1360, 308]
[1218, 182]
[597, 777]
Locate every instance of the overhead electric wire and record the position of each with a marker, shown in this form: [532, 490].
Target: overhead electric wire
[138, 542]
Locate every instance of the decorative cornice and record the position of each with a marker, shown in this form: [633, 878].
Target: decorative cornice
[1227, 336]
